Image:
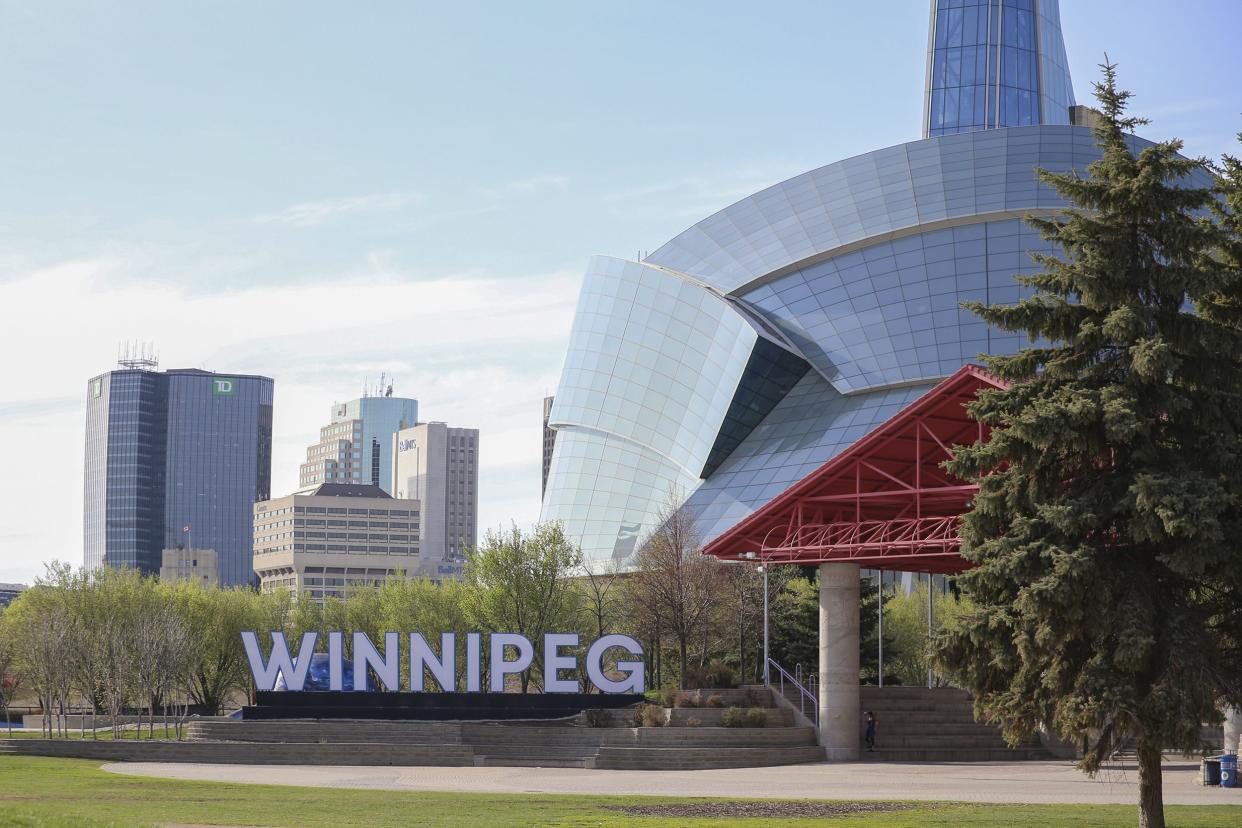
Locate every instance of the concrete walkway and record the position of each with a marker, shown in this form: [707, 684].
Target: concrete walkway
[1006, 782]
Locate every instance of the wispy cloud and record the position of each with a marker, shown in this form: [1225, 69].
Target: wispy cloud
[475, 349]
[311, 213]
[531, 185]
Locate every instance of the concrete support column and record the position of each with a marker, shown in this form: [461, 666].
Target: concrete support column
[839, 709]
[1233, 728]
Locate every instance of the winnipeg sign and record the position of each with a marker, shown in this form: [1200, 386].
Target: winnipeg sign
[386, 666]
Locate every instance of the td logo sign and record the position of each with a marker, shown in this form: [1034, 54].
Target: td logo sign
[221, 387]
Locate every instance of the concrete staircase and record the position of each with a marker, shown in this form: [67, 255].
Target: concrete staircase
[560, 743]
[915, 724]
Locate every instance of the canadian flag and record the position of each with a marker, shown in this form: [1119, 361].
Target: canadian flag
[185, 528]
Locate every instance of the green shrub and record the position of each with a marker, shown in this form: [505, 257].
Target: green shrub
[720, 675]
[756, 717]
[696, 677]
[649, 715]
[757, 697]
[715, 701]
[667, 696]
[595, 717]
[733, 717]
[688, 700]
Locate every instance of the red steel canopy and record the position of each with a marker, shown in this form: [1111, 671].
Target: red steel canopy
[883, 503]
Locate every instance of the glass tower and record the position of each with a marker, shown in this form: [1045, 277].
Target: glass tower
[995, 63]
[171, 450]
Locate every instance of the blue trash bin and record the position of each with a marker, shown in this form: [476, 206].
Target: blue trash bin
[1229, 770]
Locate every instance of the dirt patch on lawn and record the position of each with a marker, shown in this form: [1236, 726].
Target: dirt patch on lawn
[768, 809]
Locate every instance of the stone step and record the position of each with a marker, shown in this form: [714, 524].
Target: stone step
[932, 740]
[713, 716]
[486, 761]
[711, 737]
[695, 759]
[945, 754]
[920, 707]
[904, 725]
[945, 716]
[908, 691]
[536, 753]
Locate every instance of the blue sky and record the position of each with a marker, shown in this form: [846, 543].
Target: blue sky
[321, 191]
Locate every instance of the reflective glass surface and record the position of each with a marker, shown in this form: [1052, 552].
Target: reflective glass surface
[126, 427]
[996, 63]
[859, 267]
[892, 312]
[219, 465]
[771, 372]
[169, 450]
[810, 426]
[653, 364]
[899, 188]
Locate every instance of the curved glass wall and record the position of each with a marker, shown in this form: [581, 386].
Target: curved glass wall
[895, 190]
[891, 313]
[653, 365]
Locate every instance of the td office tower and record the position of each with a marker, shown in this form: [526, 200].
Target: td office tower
[175, 458]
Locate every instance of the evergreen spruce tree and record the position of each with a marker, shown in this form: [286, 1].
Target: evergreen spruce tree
[1107, 532]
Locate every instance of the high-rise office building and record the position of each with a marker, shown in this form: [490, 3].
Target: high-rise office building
[355, 448]
[337, 537]
[174, 458]
[767, 339]
[439, 467]
[549, 442]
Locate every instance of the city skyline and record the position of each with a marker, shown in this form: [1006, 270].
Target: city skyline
[229, 274]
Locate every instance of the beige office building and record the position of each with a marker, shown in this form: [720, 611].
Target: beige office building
[337, 537]
[439, 466]
[199, 565]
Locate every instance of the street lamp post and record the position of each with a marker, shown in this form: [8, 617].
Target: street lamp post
[766, 677]
[751, 556]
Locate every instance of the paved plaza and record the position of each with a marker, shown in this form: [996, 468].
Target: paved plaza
[1002, 782]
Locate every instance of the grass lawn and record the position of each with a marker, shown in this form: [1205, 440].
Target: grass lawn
[41, 791]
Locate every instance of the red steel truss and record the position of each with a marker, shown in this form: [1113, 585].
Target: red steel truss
[883, 503]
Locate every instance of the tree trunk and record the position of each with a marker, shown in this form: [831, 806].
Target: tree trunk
[1151, 790]
[681, 655]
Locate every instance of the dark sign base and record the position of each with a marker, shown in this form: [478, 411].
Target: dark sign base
[289, 704]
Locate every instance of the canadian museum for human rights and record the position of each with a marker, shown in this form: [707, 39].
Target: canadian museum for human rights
[792, 367]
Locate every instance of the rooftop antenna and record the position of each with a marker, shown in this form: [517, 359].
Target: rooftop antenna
[137, 356]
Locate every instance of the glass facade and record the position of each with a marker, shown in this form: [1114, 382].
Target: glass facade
[126, 428]
[766, 339]
[653, 364]
[996, 63]
[175, 449]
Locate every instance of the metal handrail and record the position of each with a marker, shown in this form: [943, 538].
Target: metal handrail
[804, 695]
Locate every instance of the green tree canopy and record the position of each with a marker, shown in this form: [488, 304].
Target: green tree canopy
[520, 583]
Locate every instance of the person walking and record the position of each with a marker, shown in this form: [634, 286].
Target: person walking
[870, 732]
